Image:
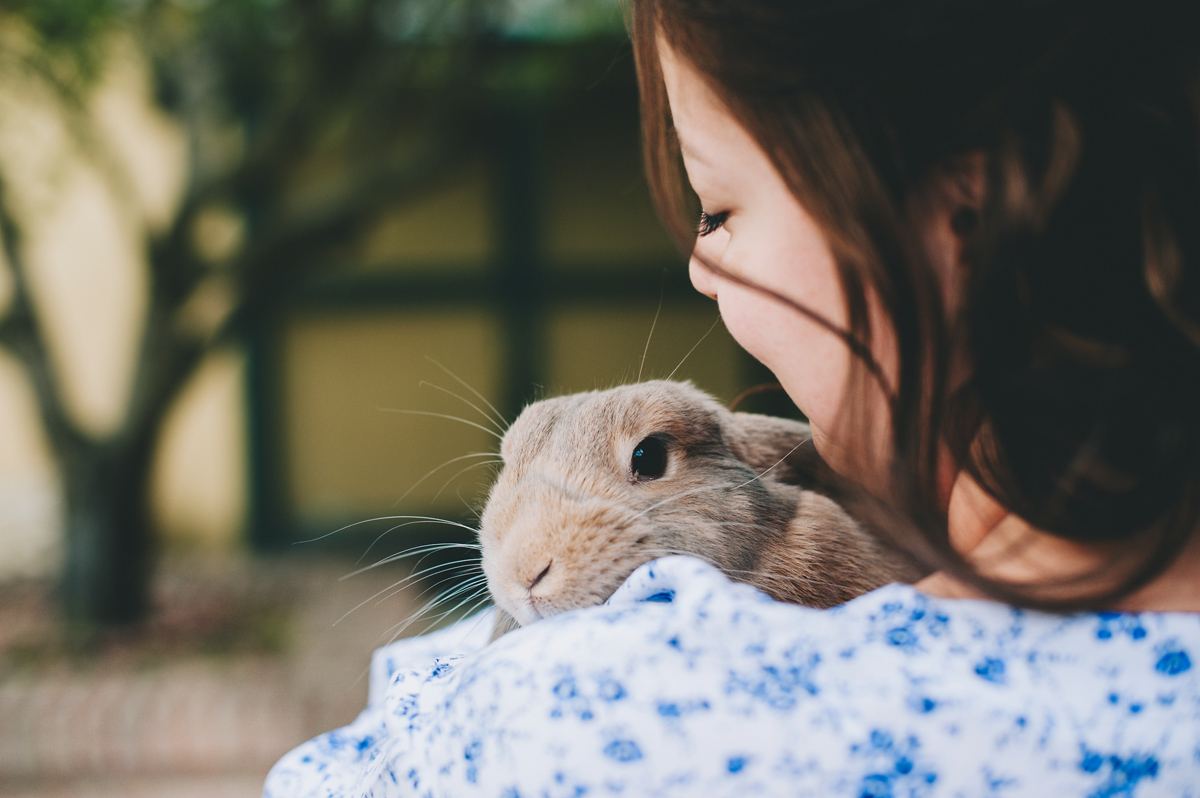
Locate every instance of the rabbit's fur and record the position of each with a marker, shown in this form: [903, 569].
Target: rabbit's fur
[568, 519]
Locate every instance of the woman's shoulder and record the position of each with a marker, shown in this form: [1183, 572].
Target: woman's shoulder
[687, 683]
[895, 686]
[679, 603]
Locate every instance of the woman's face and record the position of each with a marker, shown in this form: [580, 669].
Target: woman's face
[768, 239]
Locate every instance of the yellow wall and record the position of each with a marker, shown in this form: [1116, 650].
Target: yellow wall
[199, 485]
[449, 228]
[597, 346]
[354, 386]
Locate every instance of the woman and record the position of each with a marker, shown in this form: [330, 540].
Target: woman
[963, 235]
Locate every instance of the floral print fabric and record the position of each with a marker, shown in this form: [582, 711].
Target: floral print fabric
[688, 684]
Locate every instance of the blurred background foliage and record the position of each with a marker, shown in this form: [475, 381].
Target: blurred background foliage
[238, 234]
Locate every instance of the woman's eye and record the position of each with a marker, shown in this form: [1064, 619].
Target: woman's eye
[649, 460]
[711, 222]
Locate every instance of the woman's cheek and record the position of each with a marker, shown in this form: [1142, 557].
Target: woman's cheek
[810, 362]
[748, 328]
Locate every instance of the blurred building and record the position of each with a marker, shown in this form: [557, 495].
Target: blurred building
[534, 266]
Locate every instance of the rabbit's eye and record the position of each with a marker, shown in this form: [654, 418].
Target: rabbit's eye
[649, 460]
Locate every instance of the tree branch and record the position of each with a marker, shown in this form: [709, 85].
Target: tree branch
[302, 243]
[21, 333]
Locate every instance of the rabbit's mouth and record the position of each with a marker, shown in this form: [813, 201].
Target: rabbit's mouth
[534, 613]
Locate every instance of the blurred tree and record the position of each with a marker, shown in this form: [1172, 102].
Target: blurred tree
[373, 97]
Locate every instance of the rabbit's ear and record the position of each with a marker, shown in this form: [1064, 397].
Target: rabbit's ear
[782, 445]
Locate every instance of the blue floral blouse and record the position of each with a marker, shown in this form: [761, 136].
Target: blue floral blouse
[688, 684]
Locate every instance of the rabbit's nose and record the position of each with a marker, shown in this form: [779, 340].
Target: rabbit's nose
[541, 575]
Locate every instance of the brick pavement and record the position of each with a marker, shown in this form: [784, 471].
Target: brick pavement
[196, 725]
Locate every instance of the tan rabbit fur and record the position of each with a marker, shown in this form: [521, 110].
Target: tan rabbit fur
[568, 518]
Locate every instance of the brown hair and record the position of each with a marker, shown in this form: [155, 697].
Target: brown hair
[1081, 309]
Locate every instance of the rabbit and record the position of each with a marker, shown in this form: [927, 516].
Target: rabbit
[595, 484]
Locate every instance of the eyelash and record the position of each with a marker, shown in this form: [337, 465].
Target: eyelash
[711, 222]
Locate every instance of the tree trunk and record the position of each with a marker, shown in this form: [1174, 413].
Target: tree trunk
[106, 579]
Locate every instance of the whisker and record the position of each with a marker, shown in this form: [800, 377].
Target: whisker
[694, 346]
[394, 588]
[428, 548]
[389, 518]
[468, 422]
[459, 584]
[471, 508]
[470, 569]
[436, 469]
[382, 535]
[462, 471]
[430, 570]
[466, 564]
[481, 604]
[473, 610]
[425, 609]
[498, 417]
[680, 495]
[772, 467]
[400, 555]
[509, 623]
[473, 597]
[653, 324]
[400, 628]
[426, 384]
[368, 600]
[468, 586]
